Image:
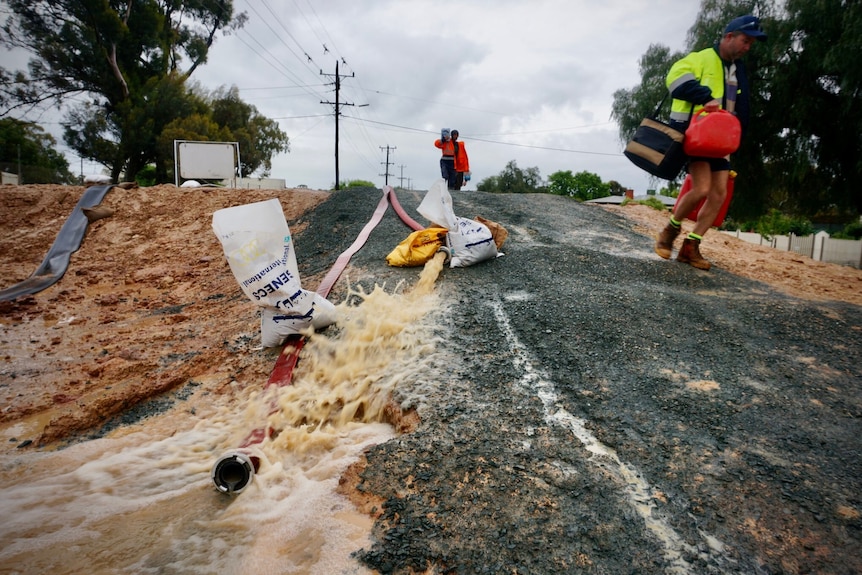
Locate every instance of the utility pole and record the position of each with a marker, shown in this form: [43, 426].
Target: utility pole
[402, 166]
[386, 172]
[337, 105]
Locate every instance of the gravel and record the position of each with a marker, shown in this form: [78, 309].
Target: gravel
[608, 411]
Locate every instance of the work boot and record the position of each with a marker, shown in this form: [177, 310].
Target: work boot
[664, 241]
[690, 254]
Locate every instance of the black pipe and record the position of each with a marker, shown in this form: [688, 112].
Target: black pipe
[233, 472]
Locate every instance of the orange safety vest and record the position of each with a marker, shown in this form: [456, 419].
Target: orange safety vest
[448, 147]
[462, 162]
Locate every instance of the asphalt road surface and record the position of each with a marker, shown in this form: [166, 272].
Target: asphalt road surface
[607, 411]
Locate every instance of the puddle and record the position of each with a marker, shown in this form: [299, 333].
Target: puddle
[141, 499]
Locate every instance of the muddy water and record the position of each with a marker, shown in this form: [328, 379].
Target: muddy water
[142, 501]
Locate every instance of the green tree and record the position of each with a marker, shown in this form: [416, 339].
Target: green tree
[562, 183]
[513, 180]
[131, 59]
[815, 100]
[258, 137]
[631, 106]
[581, 186]
[616, 188]
[223, 117]
[26, 144]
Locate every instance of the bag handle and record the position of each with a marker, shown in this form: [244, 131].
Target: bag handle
[660, 104]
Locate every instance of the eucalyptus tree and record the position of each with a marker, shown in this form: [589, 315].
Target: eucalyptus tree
[119, 66]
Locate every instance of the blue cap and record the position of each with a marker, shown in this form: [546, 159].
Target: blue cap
[748, 25]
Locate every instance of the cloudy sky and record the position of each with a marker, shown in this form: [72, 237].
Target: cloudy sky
[525, 81]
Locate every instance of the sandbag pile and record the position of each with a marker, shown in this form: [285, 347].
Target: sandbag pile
[469, 241]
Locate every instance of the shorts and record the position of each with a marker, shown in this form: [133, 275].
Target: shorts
[715, 164]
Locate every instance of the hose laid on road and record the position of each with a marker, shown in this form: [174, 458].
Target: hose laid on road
[234, 470]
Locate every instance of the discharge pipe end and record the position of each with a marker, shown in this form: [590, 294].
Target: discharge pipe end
[233, 472]
[447, 251]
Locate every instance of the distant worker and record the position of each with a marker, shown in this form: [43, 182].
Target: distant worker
[462, 162]
[447, 160]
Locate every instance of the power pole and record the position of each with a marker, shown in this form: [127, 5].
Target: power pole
[402, 166]
[386, 173]
[337, 105]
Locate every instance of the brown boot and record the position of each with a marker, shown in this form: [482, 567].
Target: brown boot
[664, 241]
[690, 254]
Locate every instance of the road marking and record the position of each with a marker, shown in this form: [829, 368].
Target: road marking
[637, 489]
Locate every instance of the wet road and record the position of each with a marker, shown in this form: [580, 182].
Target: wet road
[601, 410]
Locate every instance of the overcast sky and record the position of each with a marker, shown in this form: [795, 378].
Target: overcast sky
[526, 81]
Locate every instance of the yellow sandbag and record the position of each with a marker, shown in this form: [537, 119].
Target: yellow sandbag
[417, 248]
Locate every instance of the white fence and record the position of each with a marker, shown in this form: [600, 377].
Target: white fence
[818, 246]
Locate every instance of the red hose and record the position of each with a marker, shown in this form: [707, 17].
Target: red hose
[282, 372]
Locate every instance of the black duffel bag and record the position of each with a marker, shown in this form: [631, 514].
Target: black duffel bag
[657, 148]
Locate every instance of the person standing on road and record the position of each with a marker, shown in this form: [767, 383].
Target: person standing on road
[462, 162]
[711, 79]
[447, 160]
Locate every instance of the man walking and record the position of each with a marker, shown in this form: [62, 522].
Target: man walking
[710, 79]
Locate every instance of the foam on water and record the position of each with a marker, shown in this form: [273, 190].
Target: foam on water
[143, 501]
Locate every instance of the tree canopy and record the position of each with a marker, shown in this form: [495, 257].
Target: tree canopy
[26, 145]
[132, 60]
[513, 180]
[582, 186]
[803, 151]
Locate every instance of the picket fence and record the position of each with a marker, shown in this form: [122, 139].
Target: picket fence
[817, 246]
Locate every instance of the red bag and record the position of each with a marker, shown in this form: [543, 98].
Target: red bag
[712, 134]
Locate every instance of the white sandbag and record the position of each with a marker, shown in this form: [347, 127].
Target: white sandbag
[325, 312]
[276, 325]
[437, 207]
[471, 242]
[97, 179]
[190, 184]
[259, 249]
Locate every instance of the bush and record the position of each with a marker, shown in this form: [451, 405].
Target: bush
[147, 176]
[357, 184]
[852, 231]
[654, 203]
[775, 223]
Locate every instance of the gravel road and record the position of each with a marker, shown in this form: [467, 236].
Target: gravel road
[611, 412]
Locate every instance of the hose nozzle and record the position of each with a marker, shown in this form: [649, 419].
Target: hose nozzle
[233, 472]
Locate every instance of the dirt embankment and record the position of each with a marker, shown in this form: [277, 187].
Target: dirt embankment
[148, 305]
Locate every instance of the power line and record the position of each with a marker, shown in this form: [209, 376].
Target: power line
[424, 131]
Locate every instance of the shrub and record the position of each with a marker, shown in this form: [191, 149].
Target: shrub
[852, 231]
[654, 203]
[147, 176]
[357, 184]
[775, 223]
